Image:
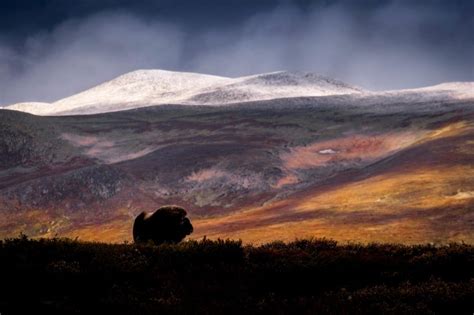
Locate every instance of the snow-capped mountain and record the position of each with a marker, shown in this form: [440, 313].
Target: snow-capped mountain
[154, 87]
[143, 88]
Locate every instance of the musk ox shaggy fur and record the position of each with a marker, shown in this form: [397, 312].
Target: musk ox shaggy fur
[167, 224]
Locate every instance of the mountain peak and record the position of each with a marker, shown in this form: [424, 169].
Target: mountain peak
[147, 87]
[297, 78]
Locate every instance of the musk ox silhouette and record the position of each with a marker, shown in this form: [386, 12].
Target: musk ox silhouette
[167, 224]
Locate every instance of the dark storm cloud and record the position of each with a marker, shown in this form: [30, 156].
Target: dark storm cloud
[51, 49]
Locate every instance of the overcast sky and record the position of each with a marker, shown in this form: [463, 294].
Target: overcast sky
[52, 49]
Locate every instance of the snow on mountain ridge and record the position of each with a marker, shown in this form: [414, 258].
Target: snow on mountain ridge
[294, 78]
[154, 87]
[143, 88]
[281, 84]
[36, 108]
[455, 90]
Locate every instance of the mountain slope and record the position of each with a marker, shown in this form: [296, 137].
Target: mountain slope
[341, 166]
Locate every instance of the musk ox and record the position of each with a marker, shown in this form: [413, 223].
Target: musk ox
[167, 224]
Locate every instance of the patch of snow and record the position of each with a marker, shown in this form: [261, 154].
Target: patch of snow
[37, 108]
[454, 90]
[327, 151]
[463, 195]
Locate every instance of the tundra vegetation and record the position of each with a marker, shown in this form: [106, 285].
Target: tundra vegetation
[64, 276]
[371, 169]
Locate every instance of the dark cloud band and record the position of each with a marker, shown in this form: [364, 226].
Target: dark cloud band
[51, 49]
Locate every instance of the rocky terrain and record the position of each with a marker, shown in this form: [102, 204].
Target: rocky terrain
[354, 165]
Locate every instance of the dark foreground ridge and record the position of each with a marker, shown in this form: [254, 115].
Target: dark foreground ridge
[62, 276]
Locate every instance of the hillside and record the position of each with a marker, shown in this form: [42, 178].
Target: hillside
[384, 167]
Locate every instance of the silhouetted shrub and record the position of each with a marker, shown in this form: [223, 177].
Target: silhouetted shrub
[167, 224]
[62, 276]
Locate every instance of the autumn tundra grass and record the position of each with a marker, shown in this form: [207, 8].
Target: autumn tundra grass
[64, 276]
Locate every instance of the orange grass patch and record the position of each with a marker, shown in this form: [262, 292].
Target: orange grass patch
[350, 148]
[115, 231]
